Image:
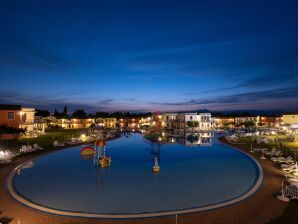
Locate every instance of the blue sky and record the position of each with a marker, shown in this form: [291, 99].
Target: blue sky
[149, 55]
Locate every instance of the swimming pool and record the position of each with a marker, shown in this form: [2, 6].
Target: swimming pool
[191, 179]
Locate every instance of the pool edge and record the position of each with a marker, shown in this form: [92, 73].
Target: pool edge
[20, 199]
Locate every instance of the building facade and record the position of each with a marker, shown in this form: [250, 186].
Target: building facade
[241, 120]
[170, 120]
[290, 118]
[270, 121]
[17, 116]
[221, 122]
[201, 121]
[10, 115]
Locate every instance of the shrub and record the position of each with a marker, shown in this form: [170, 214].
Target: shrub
[10, 130]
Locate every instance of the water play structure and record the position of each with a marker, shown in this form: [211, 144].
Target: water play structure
[98, 153]
[156, 167]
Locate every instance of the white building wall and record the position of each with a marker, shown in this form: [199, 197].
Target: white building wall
[27, 119]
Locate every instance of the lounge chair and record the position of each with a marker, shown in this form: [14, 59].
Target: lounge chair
[23, 149]
[30, 149]
[37, 147]
[57, 144]
[291, 191]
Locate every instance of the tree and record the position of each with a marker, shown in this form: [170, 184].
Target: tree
[60, 115]
[56, 113]
[10, 130]
[192, 124]
[65, 110]
[42, 113]
[80, 114]
[91, 116]
[249, 124]
[101, 115]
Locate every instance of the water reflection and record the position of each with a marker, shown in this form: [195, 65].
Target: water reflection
[187, 139]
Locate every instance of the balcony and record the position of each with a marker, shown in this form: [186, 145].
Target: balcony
[26, 122]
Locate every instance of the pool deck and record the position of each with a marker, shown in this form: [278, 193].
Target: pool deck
[259, 208]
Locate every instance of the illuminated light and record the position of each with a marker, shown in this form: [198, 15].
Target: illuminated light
[159, 139]
[273, 132]
[163, 134]
[159, 116]
[172, 140]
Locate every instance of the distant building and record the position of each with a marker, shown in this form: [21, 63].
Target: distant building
[290, 118]
[270, 121]
[170, 120]
[220, 122]
[110, 122]
[157, 121]
[203, 120]
[181, 120]
[72, 123]
[76, 123]
[242, 120]
[106, 122]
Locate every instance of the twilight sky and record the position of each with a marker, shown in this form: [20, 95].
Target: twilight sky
[149, 55]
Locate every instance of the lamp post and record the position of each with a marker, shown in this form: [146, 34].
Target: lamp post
[282, 196]
[251, 150]
[262, 157]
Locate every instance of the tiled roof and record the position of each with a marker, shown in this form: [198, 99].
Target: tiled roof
[10, 107]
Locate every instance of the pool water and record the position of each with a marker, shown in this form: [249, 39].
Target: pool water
[190, 177]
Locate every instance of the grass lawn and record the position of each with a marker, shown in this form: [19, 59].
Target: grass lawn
[45, 140]
[288, 143]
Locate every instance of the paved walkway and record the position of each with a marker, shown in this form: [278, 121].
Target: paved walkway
[260, 208]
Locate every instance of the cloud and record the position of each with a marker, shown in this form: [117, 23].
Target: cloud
[106, 101]
[241, 98]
